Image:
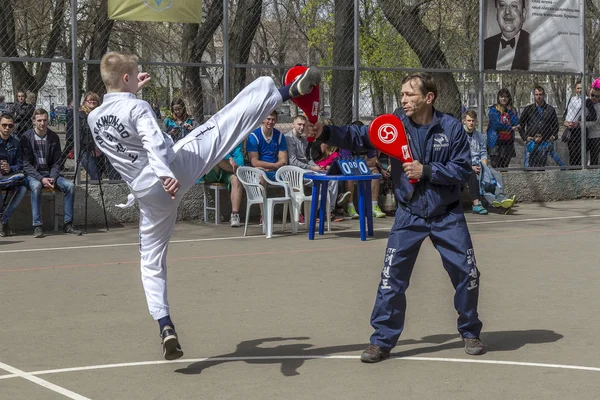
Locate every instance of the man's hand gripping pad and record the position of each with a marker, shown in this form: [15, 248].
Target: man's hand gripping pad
[387, 135]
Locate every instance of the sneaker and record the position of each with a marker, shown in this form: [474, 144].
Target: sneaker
[68, 228]
[304, 83]
[507, 203]
[373, 354]
[170, 344]
[301, 219]
[474, 346]
[479, 209]
[351, 211]
[235, 220]
[37, 232]
[377, 213]
[343, 198]
[4, 231]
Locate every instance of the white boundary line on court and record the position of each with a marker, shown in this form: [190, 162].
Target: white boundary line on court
[17, 373]
[100, 246]
[26, 375]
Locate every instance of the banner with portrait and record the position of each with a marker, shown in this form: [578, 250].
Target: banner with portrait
[535, 35]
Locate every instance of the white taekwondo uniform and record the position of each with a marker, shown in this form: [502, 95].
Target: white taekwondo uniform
[126, 131]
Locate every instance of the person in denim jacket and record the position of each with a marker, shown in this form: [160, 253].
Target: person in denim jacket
[504, 122]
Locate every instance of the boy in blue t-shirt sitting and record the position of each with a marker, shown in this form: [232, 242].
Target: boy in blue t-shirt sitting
[267, 149]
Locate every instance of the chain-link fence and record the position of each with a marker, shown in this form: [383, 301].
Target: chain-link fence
[365, 48]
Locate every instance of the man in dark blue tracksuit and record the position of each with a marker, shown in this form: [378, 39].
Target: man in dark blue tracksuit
[430, 208]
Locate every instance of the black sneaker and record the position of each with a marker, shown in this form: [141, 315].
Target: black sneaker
[474, 346]
[38, 232]
[4, 231]
[170, 343]
[304, 83]
[68, 228]
[373, 354]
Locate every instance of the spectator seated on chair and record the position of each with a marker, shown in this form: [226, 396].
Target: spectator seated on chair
[478, 156]
[267, 148]
[224, 172]
[42, 165]
[324, 158]
[297, 145]
[11, 163]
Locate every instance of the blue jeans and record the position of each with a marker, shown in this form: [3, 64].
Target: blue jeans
[89, 163]
[62, 184]
[19, 193]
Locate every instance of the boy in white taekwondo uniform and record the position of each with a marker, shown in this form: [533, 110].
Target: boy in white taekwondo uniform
[159, 173]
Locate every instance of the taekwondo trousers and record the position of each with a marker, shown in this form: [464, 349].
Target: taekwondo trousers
[195, 155]
[450, 236]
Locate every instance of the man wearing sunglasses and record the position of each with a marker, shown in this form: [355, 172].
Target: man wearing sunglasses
[11, 161]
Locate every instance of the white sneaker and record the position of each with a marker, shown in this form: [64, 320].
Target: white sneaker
[235, 220]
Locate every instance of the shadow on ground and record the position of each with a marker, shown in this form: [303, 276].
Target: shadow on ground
[291, 357]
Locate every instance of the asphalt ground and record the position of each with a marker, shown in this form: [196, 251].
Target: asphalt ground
[287, 318]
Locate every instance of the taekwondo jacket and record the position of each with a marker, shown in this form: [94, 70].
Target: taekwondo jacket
[446, 162]
[126, 131]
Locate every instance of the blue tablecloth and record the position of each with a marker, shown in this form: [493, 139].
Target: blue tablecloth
[320, 182]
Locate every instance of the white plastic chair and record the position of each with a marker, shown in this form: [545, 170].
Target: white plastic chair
[294, 178]
[256, 194]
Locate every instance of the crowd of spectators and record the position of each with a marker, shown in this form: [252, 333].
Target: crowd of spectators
[28, 146]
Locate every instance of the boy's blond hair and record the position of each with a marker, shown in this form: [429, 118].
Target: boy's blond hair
[114, 65]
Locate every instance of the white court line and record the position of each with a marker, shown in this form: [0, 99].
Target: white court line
[17, 373]
[283, 358]
[99, 246]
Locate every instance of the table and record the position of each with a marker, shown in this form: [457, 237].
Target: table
[320, 183]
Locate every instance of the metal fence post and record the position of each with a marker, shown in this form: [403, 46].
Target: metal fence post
[480, 106]
[75, 66]
[356, 110]
[583, 87]
[225, 52]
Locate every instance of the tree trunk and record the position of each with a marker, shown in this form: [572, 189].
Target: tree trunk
[22, 79]
[378, 94]
[195, 40]
[407, 21]
[98, 46]
[342, 82]
[243, 29]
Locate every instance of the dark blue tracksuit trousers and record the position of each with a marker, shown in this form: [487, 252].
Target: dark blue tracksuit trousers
[451, 238]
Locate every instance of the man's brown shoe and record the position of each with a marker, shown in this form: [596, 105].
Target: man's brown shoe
[474, 346]
[373, 354]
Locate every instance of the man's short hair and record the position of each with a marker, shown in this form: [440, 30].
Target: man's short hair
[471, 113]
[578, 82]
[426, 83]
[6, 115]
[114, 65]
[299, 116]
[39, 111]
[539, 89]
[275, 114]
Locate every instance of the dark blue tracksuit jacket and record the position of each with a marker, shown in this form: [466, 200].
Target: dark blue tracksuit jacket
[430, 208]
